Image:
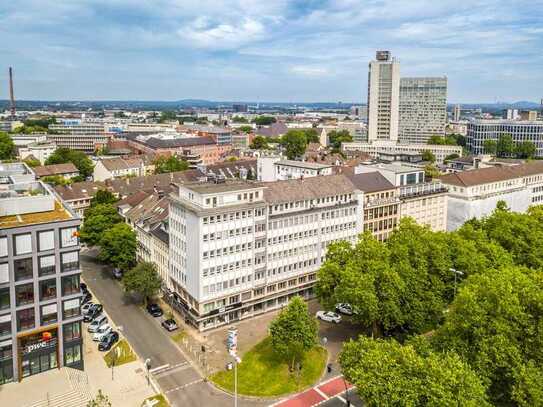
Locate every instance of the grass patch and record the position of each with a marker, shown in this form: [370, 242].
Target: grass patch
[264, 373]
[178, 336]
[161, 401]
[122, 353]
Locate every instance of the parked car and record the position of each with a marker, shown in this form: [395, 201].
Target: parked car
[117, 273]
[86, 297]
[97, 323]
[83, 287]
[108, 341]
[154, 310]
[102, 331]
[93, 312]
[86, 307]
[344, 308]
[328, 316]
[169, 325]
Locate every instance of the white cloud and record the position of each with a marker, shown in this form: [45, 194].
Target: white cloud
[309, 70]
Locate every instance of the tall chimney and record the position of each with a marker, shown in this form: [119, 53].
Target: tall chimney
[11, 95]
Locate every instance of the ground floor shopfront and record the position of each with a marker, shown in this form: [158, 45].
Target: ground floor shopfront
[41, 350]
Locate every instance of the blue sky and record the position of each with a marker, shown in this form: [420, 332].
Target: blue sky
[267, 50]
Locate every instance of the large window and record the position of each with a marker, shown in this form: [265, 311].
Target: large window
[4, 298]
[25, 319]
[70, 261]
[69, 237]
[49, 314]
[5, 325]
[4, 273]
[72, 331]
[48, 289]
[46, 240]
[72, 354]
[3, 246]
[70, 308]
[23, 269]
[24, 294]
[6, 352]
[46, 265]
[23, 243]
[70, 285]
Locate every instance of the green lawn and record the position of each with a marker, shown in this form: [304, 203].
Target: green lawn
[263, 373]
[178, 336]
[121, 352]
[161, 401]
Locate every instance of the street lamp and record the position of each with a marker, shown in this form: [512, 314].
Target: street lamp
[329, 368]
[148, 366]
[455, 272]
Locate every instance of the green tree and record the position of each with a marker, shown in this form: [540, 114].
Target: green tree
[170, 164]
[103, 196]
[311, 135]
[101, 400]
[56, 180]
[7, 147]
[431, 171]
[167, 116]
[293, 332]
[388, 374]
[336, 137]
[259, 143]
[450, 157]
[239, 119]
[143, 280]
[32, 162]
[264, 120]
[295, 143]
[118, 246]
[525, 149]
[505, 146]
[99, 218]
[427, 155]
[495, 324]
[490, 147]
[78, 158]
[245, 129]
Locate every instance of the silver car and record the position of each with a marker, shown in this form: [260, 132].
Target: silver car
[328, 316]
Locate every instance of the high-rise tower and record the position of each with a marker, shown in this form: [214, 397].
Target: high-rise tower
[11, 95]
[383, 97]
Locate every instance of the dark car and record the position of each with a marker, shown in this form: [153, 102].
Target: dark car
[93, 312]
[154, 310]
[83, 288]
[169, 325]
[86, 297]
[108, 341]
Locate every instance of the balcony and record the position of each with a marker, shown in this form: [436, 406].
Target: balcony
[426, 188]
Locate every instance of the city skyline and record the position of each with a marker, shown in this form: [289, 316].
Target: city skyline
[276, 51]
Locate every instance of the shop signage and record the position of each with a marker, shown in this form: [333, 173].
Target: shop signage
[36, 346]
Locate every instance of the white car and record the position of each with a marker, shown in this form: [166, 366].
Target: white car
[344, 308]
[101, 333]
[329, 316]
[97, 323]
[85, 307]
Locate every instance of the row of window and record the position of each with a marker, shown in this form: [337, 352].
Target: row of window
[338, 213]
[292, 236]
[381, 212]
[228, 233]
[23, 269]
[227, 250]
[48, 315]
[24, 293]
[211, 271]
[381, 225]
[292, 267]
[229, 216]
[293, 221]
[225, 285]
[308, 203]
[22, 243]
[292, 252]
[337, 228]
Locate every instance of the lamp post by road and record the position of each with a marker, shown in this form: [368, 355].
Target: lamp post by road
[148, 366]
[456, 273]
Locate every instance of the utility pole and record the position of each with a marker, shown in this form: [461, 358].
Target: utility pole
[456, 272]
[11, 94]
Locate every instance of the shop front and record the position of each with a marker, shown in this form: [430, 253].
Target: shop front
[38, 352]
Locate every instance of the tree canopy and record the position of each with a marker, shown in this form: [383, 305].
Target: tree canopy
[78, 158]
[7, 147]
[99, 218]
[245, 129]
[264, 120]
[118, 246]
[143, 279]
[490, 147]
[505, 146]
[336, 137]
[259, 143]
[293, 332]
[449, 140]
[239, 119]
[103, 196]
[295, 143]
[427, 155]
[170, 164]
[32, 161]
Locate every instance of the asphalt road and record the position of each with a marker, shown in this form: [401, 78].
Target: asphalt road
[182, 384]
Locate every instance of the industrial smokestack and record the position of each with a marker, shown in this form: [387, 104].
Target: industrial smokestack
[11, 95]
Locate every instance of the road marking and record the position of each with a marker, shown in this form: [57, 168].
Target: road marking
[321, 393]
[156, 369]
[184, 386]
[342, 399]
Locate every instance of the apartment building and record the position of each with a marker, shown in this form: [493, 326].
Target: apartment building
[77, 126]
[118, 167]
[77, 196]
[87, 143]
[423, 109]
[40, 151]
[475, 193]
[238, 249]
[40, 320]
[481, 130]
[65, 170]
[274, 168]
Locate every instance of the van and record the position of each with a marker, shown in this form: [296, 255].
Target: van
[96, 323]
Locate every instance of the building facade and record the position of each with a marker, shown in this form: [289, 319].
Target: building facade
[40, 319]
[423, 109]
[479, 131]
[240, 249]
[383, 97]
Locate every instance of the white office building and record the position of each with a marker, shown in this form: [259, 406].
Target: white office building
[383, 97]
[239, 249]
[423, 109]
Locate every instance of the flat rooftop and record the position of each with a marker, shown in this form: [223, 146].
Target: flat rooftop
[303, 164]
[59, 213]
[211, 187]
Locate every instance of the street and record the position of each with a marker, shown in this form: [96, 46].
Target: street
[180, 382]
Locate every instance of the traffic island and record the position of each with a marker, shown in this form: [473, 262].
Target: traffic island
[120, 354]
[263, 373]
[156, 401]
